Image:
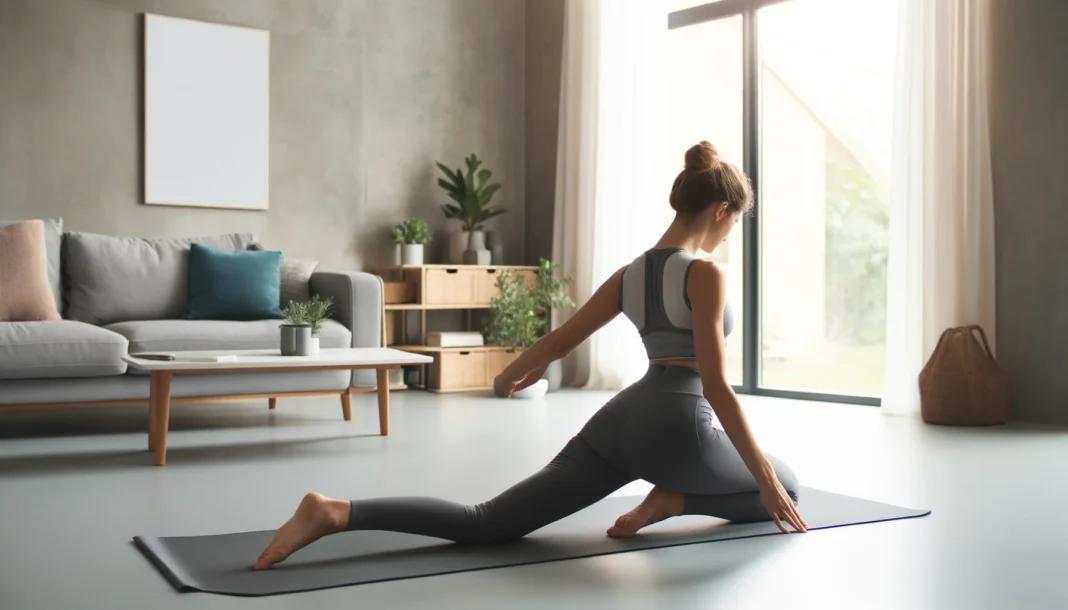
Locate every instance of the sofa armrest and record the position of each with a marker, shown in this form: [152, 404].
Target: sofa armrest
[358, 306]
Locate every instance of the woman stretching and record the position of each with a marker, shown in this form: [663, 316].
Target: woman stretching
[662, 429]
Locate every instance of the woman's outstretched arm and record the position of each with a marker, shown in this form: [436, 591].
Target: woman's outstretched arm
[707, 291]
[529, 367]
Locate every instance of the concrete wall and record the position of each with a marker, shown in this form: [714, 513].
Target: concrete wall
[545, 45]
[365, 96]
[1029, 144]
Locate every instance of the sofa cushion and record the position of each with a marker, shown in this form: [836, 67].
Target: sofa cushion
[193, 335]
[61, 348]
[115, 279]
[53, 245]
[25, 295]
[238, 286]
[295, 276]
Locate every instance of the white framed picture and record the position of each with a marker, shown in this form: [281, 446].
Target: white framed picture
[207, 114]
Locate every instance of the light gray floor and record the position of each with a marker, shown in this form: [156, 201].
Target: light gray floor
[75, 486]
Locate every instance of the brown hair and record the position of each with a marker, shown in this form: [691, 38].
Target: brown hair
[707, 180]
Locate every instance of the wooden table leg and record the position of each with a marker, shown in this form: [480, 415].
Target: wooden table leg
[383, 401]
[346, 405]
[153, 380]
[159, 401]
[272, 402]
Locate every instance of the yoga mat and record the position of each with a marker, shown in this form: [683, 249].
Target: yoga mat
[223, 563]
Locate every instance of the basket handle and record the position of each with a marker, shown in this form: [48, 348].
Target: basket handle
[982, 335]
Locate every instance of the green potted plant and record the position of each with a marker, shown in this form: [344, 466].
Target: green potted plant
[410, 237]
[303, 321]
[316, 312]
[471, 193]
[519, 314]
[293, 326]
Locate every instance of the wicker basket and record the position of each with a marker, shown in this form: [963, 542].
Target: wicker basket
[962, 384]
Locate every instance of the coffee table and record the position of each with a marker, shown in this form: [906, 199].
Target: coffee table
[264, 361]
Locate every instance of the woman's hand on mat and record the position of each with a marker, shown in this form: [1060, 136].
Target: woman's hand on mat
[781, 507]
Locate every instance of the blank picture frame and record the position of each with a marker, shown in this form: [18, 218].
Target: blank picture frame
[206, 114]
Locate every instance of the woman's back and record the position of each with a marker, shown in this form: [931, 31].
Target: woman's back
[653, 296]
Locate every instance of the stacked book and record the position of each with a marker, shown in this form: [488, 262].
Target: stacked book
[455, 339]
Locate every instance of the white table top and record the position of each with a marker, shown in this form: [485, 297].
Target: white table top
[271, 358]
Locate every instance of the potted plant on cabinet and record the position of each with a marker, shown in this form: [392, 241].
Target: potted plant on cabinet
[410, 237]
[472, 192]
[520, 313]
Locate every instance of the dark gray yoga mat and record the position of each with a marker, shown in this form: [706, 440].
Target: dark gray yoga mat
[223, 563]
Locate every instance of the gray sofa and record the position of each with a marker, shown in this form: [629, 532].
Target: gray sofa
[120, 295]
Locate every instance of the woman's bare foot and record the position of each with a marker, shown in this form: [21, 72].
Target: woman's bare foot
[317, 516]
[660, 504]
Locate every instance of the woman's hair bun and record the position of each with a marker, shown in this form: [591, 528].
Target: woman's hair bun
[701, 157]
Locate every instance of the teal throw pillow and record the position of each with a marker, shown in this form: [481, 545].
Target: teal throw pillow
[242, 285]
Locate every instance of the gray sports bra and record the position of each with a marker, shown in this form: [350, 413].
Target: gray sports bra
[653, 297]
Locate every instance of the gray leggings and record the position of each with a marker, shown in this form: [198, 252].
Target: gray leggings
[660, 429]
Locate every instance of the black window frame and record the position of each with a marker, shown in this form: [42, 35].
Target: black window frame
[751, 288]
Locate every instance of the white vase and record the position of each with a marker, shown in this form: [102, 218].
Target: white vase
[457, 246]
[307, 346]
[476, 253]
[398, 254]
[413, 254]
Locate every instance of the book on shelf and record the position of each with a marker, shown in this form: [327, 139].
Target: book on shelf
[455, 339]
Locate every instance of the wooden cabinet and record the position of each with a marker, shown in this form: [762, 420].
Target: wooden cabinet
[465, 368]
[448, 286]
[456, 286]
[444, 287]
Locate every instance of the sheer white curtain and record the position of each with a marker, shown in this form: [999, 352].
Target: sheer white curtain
[941, 265]
[608, 178]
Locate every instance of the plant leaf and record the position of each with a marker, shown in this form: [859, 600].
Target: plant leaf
[488, 214]
[449, 173]
[472, 164]
[487, 193]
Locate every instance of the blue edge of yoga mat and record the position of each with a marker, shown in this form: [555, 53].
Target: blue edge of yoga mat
[223, 563]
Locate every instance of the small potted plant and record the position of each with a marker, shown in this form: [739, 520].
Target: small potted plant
[410, 236]
[316, 312]
[519, 314]
[300, 332]
[471, 193]
[293, 326]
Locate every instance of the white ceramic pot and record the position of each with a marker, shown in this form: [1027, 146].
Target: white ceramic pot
[458, 241]
[554, 374]
[412, 255]
[476, 253]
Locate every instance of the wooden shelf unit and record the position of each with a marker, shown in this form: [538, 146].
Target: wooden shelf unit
[445, 287]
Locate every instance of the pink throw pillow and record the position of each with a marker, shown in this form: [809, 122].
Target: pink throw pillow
[25, 294]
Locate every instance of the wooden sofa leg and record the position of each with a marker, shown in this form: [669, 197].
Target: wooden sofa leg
[272, 403]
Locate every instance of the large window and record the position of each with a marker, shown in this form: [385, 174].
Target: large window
[799, 93]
